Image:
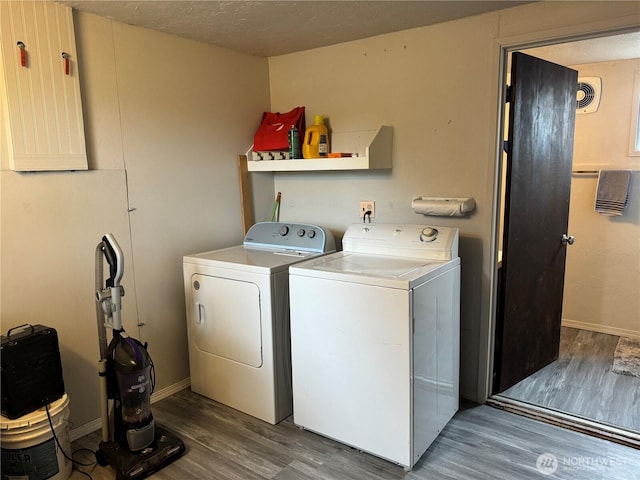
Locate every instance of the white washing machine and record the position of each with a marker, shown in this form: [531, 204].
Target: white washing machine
[375, 339]
[238, 317]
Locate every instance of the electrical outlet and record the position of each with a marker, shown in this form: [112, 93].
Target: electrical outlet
[367, 206]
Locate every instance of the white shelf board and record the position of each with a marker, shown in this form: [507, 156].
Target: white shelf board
[374, 148]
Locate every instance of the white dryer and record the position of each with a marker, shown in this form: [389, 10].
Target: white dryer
[237, 302]
[375, 339]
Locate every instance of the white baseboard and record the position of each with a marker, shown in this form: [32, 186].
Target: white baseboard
[85, 429]
[96, 424]
[594, 327]
[170, 390]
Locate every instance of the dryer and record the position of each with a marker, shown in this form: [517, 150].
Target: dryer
[237, 302]
[375, 339]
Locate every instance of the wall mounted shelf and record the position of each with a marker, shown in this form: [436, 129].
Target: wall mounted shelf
[374, 149]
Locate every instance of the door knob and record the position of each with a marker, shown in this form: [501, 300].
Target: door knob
[568, 239]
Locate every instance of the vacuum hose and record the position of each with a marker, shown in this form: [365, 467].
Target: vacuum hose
[100, 315]
[108, 305]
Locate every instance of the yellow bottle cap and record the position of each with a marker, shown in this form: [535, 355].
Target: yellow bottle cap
[318, 120]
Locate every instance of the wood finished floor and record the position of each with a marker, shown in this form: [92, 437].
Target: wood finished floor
[480, 442]
[581, 382]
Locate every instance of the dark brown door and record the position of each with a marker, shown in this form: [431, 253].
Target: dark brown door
[539, 157]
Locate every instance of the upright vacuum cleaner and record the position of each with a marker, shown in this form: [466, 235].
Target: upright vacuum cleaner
[131, 443]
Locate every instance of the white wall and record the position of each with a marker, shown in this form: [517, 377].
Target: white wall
[603, 266]
[165, 119]
[438, 87]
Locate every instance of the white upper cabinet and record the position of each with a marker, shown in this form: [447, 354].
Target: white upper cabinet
[40, 87]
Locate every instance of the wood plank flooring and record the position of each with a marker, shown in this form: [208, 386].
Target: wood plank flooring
[480, 442]
[581, 382]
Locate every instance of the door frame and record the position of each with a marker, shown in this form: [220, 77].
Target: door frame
[504, 46]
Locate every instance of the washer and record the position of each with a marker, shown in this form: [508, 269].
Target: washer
[375, 334]
[238, 317]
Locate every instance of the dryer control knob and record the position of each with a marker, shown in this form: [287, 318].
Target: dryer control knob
[311, 233]
[301, 232]
[428, 234]
[284, 230]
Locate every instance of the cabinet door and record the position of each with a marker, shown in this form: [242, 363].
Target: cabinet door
[41, 99]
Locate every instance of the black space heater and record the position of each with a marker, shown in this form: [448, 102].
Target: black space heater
[31, 369]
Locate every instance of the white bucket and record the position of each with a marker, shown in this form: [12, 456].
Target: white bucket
[29, 450]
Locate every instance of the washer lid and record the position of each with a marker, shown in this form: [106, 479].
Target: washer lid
[374, 265]
[380, 270]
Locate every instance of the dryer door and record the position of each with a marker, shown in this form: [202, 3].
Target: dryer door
[225, 319]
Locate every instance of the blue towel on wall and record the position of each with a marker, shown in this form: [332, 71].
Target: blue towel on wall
[612, 193]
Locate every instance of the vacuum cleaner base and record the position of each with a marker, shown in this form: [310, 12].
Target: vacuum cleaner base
[135, 465]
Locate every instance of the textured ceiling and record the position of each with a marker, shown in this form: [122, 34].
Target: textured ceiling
[601, 49]
[275, 27]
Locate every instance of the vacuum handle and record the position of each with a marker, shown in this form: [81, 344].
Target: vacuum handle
[110, 298]
[115, 259]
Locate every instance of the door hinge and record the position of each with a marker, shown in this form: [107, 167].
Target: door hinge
[508, 92]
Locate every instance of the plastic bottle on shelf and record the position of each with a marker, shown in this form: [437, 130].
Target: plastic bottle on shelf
[294, 143]
[316, 140]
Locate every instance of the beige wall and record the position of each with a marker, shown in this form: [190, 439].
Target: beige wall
[165, 119]
[425, 83]
[603, 267]
[438, 87]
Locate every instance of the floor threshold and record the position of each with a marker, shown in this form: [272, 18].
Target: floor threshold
[622, 436]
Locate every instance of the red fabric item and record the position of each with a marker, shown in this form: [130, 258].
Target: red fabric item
[273, 132]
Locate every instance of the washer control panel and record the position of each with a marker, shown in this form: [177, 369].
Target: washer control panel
[402, 240]
[290, 236]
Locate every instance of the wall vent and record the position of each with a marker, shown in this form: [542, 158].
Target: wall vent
[588, 95]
